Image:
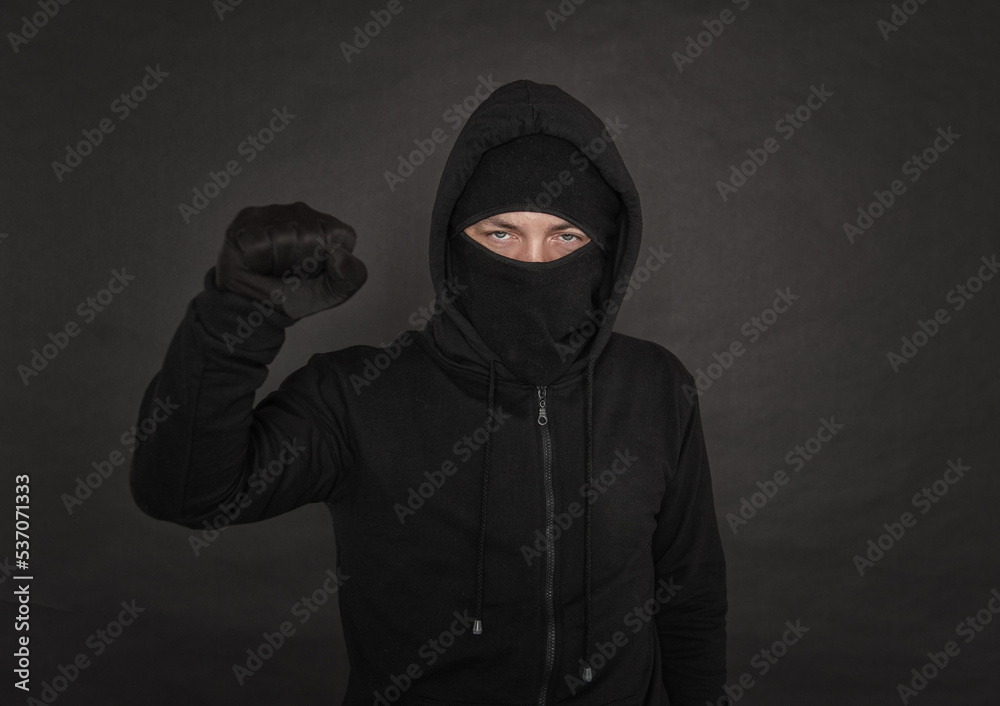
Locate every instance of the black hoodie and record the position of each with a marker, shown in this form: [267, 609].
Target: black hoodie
[493, 537]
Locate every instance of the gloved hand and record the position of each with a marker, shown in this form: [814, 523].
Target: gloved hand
[291, 255]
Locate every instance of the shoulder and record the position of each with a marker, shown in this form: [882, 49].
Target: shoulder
[646, 357]
[356, 368]
[655, 381]
[357, 356]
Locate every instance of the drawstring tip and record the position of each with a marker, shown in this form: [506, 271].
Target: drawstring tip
[588, 674]
[477, 627]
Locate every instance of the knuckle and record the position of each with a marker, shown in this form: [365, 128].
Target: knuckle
[340, 231]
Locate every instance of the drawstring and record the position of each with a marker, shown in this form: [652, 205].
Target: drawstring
[587, 672]
[477, 626]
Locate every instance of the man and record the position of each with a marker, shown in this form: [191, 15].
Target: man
[514, 475]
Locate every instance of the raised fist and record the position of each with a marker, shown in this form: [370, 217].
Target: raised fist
[291, 255]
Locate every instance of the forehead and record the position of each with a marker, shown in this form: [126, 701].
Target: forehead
[515, 220]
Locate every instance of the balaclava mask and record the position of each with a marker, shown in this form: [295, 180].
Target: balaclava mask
[530, 313]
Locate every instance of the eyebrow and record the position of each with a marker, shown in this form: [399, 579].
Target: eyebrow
[507, 225]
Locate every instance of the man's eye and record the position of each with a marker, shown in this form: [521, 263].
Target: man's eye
[497, 233]
[569, 237]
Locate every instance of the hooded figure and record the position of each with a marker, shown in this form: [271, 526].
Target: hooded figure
[521, 498]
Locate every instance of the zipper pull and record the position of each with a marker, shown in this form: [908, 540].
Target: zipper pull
[543, 417]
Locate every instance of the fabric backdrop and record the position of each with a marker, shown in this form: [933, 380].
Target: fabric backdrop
[819, 180]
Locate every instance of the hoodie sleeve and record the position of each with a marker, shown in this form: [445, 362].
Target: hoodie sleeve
[688, 551]
[211, 452]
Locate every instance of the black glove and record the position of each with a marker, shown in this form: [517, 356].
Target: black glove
[291, 255]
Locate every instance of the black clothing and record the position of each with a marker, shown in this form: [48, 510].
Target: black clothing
[544, 174]
[574, 520]
[528, 313]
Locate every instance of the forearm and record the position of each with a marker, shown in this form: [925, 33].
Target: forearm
[688, 551]
[200, 455]
[692, 635]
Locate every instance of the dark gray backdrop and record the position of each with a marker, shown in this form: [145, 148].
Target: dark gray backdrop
[826, 356]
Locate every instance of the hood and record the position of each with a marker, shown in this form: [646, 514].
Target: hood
[516, 109]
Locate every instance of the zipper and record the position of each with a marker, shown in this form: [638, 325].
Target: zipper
[550, 557]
